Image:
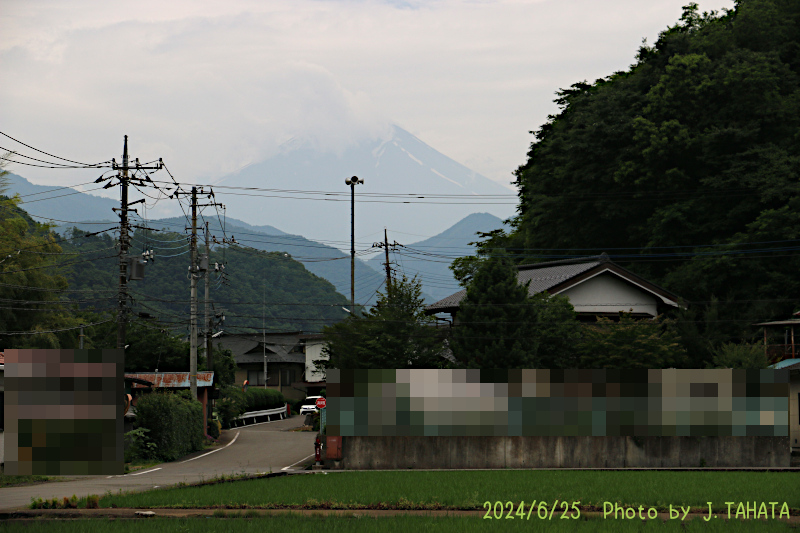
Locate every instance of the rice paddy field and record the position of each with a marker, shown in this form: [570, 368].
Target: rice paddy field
[472, 490]
[290, 524]
[560, 501]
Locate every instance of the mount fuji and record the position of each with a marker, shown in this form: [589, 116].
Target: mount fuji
[402, 178]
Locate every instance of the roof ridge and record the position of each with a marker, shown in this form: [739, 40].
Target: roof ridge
[602, 258]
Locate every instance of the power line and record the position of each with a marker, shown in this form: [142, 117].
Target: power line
[51, 155]
[53, 330]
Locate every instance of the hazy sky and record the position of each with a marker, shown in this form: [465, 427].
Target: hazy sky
[213, 86]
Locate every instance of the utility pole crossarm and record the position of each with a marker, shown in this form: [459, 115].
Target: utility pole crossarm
[124, 236]
[385, 245]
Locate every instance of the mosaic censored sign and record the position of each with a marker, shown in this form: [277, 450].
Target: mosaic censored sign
[636, 403]
[63, 412]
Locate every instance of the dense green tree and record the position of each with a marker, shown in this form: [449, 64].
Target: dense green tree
[224, 366]
[395, 333]
[150, 348]
[255, 286]
[34, 312]
[499, 326]
[730, 355]
[631, 343]
[685, 166]
[494, 324]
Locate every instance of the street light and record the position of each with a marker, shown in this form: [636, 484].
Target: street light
[352, 182]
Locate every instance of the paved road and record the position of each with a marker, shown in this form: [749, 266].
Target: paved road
[254, 449]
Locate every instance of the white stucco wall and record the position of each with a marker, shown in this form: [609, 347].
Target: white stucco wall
[606, 293]
[314, 353]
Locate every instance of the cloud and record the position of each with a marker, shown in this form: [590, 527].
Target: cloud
[213, 86]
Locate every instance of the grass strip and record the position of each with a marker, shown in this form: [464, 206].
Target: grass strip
[13, 481]
[290, 524]
[471, 489]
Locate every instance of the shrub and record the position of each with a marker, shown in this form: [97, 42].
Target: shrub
[138, 446]
[213, 428]
[262, 399]
[231, 404]
[731, 355]
[93, 501]
[174, 421]
[296, 405]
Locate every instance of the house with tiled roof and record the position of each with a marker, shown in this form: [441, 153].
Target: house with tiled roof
[283, 353]
[595, 286]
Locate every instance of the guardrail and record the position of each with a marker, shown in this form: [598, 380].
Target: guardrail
[258, 417]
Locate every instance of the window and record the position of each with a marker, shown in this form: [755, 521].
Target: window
[256, 377]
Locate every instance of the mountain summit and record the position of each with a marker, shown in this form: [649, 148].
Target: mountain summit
[408, 186]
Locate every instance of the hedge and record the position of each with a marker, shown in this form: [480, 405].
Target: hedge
[175, 423]
[262, 399]
[233, 402]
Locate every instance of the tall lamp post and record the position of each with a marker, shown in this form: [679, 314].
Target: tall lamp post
[352, 182]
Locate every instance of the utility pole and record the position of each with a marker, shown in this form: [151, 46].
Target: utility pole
[352, 182]
[385, 245]
[208, 321]
[193, 311]
[124, 239]
[388, 269]
[264, 333]
[194, 274]
[122, 321]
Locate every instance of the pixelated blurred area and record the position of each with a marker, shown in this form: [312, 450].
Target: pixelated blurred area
[63, 412]
[559, 403]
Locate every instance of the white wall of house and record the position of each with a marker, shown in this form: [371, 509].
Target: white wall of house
[314, 353]
[615, 295]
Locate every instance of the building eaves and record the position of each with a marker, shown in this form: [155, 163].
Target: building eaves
[271, 358]
[557, 276]
[169, 380]
[541, 278]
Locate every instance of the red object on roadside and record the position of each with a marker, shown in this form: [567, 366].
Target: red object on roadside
[317, 450]
[333, 447]
[321, 402]
[288, 410]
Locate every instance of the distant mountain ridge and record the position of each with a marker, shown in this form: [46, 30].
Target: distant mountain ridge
[408, 186]
[430, 259]
[398, 165]
[89, 206]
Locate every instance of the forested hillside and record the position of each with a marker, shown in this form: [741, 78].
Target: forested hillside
[684, 167]
[255, 287]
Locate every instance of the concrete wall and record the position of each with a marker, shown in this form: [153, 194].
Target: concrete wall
[376, 453]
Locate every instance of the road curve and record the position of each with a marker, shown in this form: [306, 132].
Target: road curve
[248, 450]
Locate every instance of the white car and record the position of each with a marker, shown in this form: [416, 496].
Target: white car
[309, 405]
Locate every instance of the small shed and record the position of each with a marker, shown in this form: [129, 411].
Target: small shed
[172, 380]
[777, 352]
